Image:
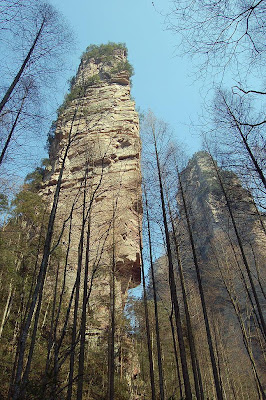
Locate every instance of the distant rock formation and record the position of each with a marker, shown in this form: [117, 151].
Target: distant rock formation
[221, 265]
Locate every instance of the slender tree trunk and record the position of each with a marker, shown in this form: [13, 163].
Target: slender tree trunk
[247, 147]
[236, 306]
[157, 329]
[12, 129]
[173, 285]
[8, 301]
[51, 333]
[32, 345]
[202, 297]
[111, 350]
[147, 323]
[243, 278]
[42, 273]
[176, 354]
[56, 346]
[192, 347]
[258, 271]
[83, 318]
[22, 68]
[77, 294]
[241, 248]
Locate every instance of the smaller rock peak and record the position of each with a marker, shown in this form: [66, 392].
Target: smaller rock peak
[200, 160]
[201, 156]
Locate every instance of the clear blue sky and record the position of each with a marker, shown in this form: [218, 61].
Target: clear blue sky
[161, 81]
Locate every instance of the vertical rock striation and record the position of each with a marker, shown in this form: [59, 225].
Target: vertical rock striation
[101, 178]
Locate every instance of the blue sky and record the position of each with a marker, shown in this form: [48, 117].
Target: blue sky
[162, 80]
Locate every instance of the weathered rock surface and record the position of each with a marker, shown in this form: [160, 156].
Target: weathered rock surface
[101, 180]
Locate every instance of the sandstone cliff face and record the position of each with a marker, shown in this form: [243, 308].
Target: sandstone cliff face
[101, 180]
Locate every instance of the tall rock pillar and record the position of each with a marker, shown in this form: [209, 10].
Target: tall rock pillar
[101, 179]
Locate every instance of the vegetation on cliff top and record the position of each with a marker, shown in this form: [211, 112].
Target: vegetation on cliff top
[103, 53]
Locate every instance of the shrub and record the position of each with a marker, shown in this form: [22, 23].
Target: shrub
[78, 91]
[123, 66]
[103, 51]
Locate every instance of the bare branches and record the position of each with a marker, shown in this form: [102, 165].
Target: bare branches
[220, 31]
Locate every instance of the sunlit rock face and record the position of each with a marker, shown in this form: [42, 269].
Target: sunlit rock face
[101, 180]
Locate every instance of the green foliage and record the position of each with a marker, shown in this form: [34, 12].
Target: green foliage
[78, 91]
[96, 375]
[3, 202]
[72, 82]
[28, 204]
[21, 242]
[34, 179]
[123, 66]
[103, 51]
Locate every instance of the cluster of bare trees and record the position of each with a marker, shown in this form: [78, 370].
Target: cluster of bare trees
[53, 317]
[205, 222]
[219, 220]
[209, 307]
[226, 39]
[35, 40]
[57, 330]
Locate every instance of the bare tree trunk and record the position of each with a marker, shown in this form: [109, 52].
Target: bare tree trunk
[42, 273]
[176, 354]
[158, 341]
[32, 345]
[83, 317]
[202, 298]
[13, 128]
[258, 271]
[56, 344]
[263, 326]
[8, 301]
[193, 353]
[173, 285]
[247, 147]
[111, 349]
[147, 323]
[22, 68]
[52, 324]
[77, 293]
[243, 278]
[236, 307]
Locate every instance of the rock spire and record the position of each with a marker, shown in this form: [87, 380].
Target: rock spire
[101, 186]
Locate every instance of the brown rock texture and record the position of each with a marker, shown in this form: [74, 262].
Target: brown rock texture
[101, 180]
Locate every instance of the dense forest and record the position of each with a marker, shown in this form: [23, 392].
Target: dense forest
[127, 269]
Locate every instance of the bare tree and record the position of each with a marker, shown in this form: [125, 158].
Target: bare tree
[147, 321]
[242, 149]
[223, 32]
[36, 39]
[41, 276]
[202, 297]
[155, 127]
[158, 339]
